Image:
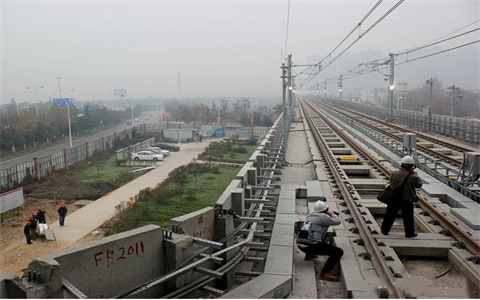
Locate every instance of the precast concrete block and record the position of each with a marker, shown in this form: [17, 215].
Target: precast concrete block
[469, 215]
[252, 176]
[314, 191]
[225, 199]
[286, 219]
[326, 189]
[260, 163]
[238, 201]
[11, 286]
[200, 223]
[425, 244]
[357, 273]
[224, 226]
[266, 286]
[320, 173]
[99, 268]
[177, 250]
[280, 259]
[286, 201]
[282, 234]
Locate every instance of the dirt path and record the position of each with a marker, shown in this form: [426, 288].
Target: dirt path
[16, 254]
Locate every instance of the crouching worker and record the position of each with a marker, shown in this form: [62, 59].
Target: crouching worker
[321, 219]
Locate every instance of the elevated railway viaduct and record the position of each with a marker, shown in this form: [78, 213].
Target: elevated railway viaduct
[244, 247]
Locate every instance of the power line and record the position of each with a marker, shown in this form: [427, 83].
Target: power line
[357, 39]
[425, 46]
[361, 72]
[470, 24]
[432, 54]
[348, 35]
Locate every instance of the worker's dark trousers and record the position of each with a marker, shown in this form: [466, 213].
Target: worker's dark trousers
[391, 214]
[334, 254]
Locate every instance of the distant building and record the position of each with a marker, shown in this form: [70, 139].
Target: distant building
[376, 96]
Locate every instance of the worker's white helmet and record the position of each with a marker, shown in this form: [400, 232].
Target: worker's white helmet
[320, 206]
[407, 160]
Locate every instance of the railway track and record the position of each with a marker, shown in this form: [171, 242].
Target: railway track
[359, 118]
[244, 248]
[445, 164]
[368, 236]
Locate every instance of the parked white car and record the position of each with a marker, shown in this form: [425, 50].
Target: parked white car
[147, 155]
[158, 149]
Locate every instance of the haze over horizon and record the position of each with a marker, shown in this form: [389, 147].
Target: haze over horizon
[221, 48]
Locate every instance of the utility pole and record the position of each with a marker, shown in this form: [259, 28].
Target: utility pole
[179, 86]
[284, 96]
[340, 85]
[390, 86]
[325, 90]
[68, 111]
[289, 68]
[156, 103]
[455, 92]
[430, 102]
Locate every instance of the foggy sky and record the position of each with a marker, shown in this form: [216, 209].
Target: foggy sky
[219, 48]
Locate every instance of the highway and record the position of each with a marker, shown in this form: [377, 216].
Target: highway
[22, 158]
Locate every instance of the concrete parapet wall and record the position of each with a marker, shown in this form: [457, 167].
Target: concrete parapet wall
[199, 223]
[10, 286]
[103, 268]
[229, 198]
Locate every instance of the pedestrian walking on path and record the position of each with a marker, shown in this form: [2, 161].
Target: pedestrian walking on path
[26, 231]
[62, 212]
[41, 216]
[405, 199]
[321, 219]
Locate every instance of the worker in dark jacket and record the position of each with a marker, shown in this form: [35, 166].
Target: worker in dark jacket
[33, 226]
[406, 199]
[41, 216]
[321, 219]
[26, 231]
[62, 212]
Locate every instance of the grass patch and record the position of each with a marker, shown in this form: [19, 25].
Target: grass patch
[157, 206]
[105, 170]
[231, 155]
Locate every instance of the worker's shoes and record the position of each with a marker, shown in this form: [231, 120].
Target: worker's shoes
[328, 277]
[413, 235]
[310, 256]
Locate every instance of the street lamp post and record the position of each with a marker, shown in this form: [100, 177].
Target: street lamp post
[156, 103]
[68, 111]
[35, 92]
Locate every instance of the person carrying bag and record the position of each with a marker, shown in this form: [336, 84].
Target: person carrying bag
[388, 194]
[403, 182]
[312, 238]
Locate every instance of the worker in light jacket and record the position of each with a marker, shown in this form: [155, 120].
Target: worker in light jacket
[322, 218]
[405, 199]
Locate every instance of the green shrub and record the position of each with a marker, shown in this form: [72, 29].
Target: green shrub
[240, 150]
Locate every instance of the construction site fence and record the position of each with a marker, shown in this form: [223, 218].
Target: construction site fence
[39, 167]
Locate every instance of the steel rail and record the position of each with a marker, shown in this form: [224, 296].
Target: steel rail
[380, 265]
[457, 232]
[442, 156]
[453, 184]
[423, 136]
